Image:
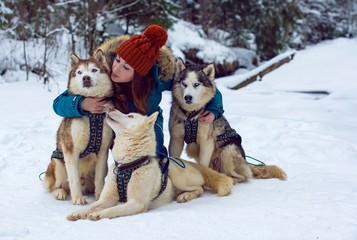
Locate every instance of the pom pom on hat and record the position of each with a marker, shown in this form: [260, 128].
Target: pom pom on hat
[156, 34]
[142, 51]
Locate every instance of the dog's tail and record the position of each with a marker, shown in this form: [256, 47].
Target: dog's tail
[215, 181]
[270, 171]
[50, 179]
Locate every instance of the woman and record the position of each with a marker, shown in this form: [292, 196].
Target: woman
[137, 87]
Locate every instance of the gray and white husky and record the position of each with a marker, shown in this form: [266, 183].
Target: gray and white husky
[216, 145]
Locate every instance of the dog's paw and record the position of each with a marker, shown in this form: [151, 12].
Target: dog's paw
[79, 200]
[59, 194]
[95, 216]
[75, 216]
[80, 214]
[188, 196]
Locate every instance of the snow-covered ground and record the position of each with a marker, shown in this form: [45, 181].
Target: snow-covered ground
[312, 137]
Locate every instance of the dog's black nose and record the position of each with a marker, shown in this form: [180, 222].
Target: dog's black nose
[188, 98]
[86, 81]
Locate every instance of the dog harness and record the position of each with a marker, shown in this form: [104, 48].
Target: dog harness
[124, 171]
[95, 138]
[229, 136]
[191, 126]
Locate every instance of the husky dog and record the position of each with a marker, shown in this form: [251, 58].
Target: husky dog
[139, 181]
[216, 145]
[79, 165]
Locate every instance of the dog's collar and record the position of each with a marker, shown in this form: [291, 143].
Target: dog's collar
[132, 165]
[192, 114]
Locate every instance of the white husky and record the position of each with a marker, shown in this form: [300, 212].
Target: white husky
[138, 179]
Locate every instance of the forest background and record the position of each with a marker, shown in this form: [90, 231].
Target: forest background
[265, 27]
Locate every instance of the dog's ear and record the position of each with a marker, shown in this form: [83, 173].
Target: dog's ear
[152, 118]
[73, 59]
[209, 71]
[99, 56]
[180, 66]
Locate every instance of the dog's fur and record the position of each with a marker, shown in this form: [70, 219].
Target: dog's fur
[193, 88]
[74, 175]
[135, 138]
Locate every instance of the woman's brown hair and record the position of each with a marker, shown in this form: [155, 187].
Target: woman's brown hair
[137, 91]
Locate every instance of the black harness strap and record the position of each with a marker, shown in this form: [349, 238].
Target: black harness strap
[164, 166]
[124, 172]
[95, 137]
[191, 125]
[230, 136]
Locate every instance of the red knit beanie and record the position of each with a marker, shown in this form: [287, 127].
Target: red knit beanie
[142, 51]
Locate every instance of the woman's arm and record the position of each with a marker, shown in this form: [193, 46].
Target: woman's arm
[69, 106]
[216, 105]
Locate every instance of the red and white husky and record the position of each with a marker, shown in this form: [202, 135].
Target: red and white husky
[79, 164]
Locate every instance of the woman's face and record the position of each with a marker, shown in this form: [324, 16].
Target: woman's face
[121, 71]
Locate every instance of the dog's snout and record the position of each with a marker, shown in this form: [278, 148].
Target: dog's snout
[188, 98]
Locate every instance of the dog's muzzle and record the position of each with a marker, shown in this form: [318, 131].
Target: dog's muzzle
[86, 82]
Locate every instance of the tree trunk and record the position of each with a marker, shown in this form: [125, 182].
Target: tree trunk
[26, 63]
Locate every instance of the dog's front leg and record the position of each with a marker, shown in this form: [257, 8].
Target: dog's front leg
[100, 172]
[177, 133]
[131, 207]
[206, 152]
[175, 147]
[94, 207]
[108, 198]
[206, 143]
[72, 167]
[83, 213]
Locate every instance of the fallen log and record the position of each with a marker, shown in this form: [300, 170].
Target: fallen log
[240, 81]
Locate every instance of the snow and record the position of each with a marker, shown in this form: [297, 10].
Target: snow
[312, 137]
[185, 36]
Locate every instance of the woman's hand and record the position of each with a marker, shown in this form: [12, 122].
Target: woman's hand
[93, 105]
[207, 117]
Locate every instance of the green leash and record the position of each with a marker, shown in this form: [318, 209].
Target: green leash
[260, 163]
[178, 161]
[40, 175]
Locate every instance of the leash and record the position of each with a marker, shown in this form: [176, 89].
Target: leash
[260, 163]
[176, 160]
[40, 175]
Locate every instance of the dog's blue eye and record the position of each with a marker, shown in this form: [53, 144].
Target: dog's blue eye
[79, 72]
[196, 85]
[94, 70]
[184, 84]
